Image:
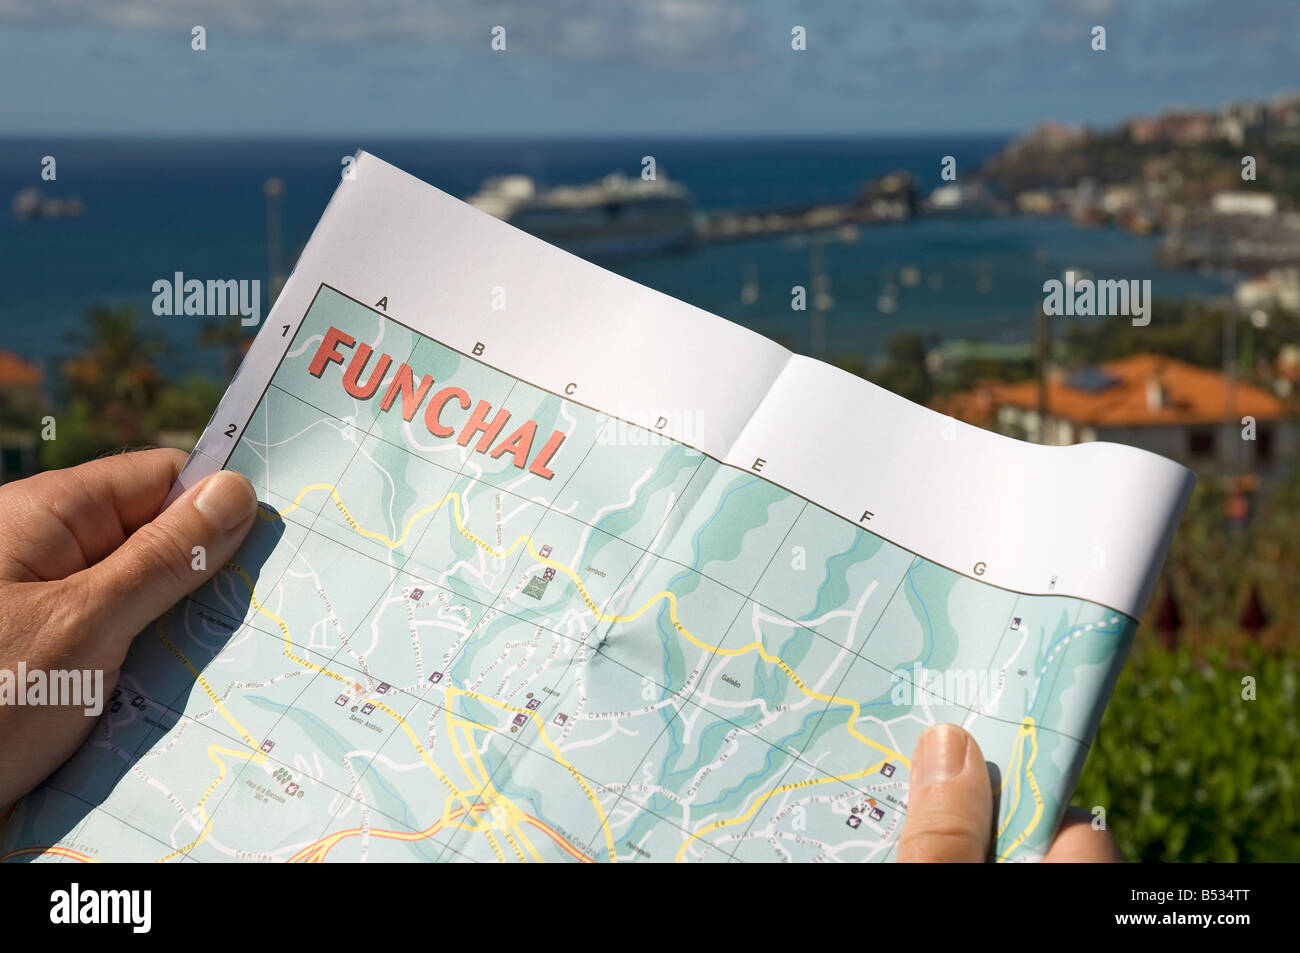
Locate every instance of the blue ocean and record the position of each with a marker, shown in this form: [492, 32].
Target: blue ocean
[154, 207]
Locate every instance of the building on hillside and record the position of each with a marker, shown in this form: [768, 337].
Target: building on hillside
[1286, 371]
[21, 400]
[954, 361]
[1049, 136]
[1157, 403]
[1179, 126]
[1278, 288]
[1262, 204]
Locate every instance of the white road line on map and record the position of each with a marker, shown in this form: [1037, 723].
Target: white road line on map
[613, 731]
[442, 447]
[416, 765]
[323, 421]
[568, 417]
[392, 517]
[618, 601]
[266, 429]
[590, 528]
[992, 706]
[306, 346]
[1060, 646]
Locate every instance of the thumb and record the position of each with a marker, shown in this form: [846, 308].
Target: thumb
[170, 557]
[950, 802]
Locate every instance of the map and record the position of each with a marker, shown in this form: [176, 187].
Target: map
[451, 637]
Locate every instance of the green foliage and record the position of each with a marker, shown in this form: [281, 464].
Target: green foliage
[853, 363]
[1187, 769]
[1184, 766]
[1107, 156]
[228, 334]
[966, 375]
[22, 410]
[903, 370]
[1192, 171]
[1212, 564]
[79, 437]
[186, 405]
[1188, 331]
[112, 394]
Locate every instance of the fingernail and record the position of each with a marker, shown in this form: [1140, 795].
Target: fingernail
[940, 755]
[227, 499]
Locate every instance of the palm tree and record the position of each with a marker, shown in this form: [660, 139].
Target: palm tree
[115, 379]
[228, 335]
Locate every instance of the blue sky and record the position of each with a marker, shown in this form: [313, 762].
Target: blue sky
[292, 67]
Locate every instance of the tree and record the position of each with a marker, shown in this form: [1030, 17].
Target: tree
[904, 371]
[107, 390]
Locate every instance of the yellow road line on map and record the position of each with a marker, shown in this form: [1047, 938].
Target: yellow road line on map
[338, 501]
[528, 844]
[496, 848]
[256, 756]
[559, 756]
[54, 849]
[475, 780]
[288, 651]
[457, 793]
[759, 802]
[519, 854]
[1013, 771]
[510, 813]
[315, 853]
[665, 595]
[161, 631]
[1028, 732]
[284, 629]
[670, 597]
[213, 751]
[482, 781]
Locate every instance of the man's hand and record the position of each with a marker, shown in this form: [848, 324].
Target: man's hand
[950, 808]
[86, 562]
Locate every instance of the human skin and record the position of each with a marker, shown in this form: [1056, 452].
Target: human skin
[950, 809]
[88, 558]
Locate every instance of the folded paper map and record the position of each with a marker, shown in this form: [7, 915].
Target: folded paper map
[550, 566]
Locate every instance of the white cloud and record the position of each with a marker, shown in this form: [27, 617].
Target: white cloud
[653, 30]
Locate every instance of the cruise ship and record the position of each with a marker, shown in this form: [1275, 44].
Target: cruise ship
[31, 205]
[614, 217]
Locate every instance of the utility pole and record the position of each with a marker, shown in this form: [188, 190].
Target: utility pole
[1231, 443]
[274, 189]
[821, 296]
[1043, 348]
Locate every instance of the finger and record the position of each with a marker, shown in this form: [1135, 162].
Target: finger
[159, 564]
[60, 522]
[950, 801]
[1078, 842]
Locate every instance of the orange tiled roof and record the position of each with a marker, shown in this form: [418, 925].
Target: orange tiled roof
[1191, 395]
[15, 372]
[970, 406]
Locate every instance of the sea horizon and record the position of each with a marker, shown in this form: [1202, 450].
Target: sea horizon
[158, 205]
